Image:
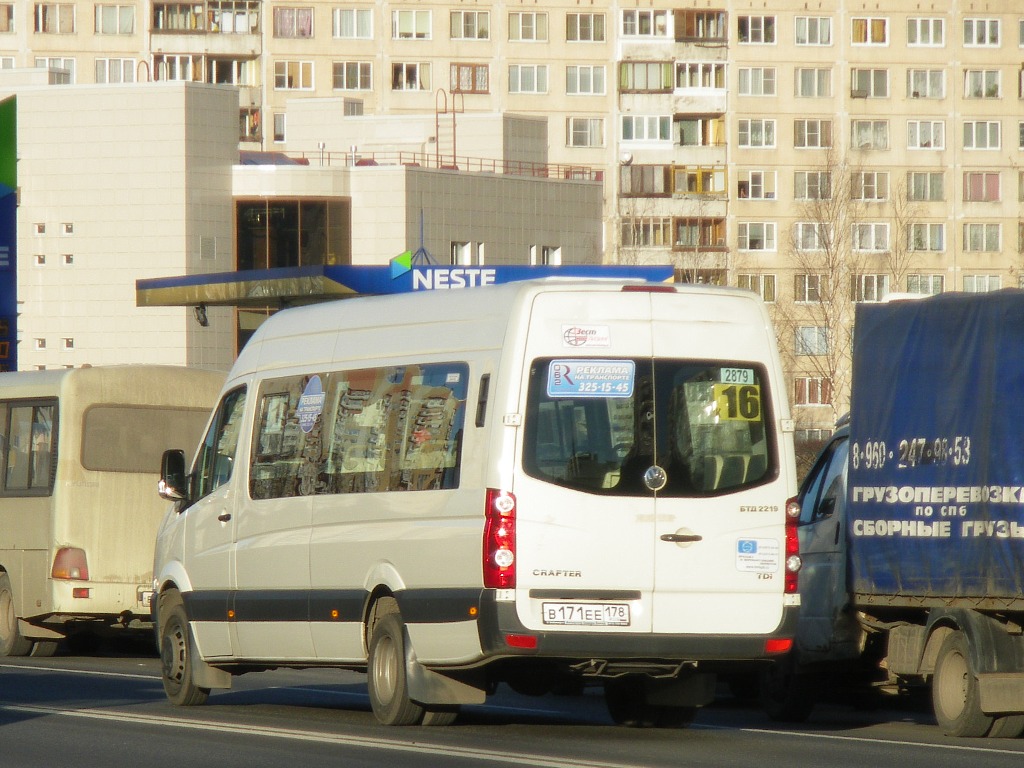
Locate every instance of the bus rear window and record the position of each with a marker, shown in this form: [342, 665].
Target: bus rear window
[126, 438]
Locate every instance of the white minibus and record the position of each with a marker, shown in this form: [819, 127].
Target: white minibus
[542, 483]
[80, 453]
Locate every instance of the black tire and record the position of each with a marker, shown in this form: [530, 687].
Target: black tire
[1007, 727]
[955, 697]
[385, 674]
[440, 717]
[176, 653]
[628, 706]
[11, 641]
[787, 695]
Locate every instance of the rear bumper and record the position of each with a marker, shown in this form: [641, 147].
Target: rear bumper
[498, 620]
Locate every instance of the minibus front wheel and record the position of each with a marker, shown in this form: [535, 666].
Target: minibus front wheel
[176, 651]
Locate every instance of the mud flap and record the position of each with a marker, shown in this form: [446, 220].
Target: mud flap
[429, 687]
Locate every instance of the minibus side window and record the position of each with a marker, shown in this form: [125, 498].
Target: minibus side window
[217, 452]
[30, 448]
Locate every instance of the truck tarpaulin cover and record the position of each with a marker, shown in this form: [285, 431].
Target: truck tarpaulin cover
[936, 506]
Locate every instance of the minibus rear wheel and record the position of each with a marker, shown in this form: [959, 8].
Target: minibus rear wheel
[11, 641]
[176, 653]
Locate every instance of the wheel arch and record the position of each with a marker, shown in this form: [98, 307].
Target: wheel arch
[989, 644]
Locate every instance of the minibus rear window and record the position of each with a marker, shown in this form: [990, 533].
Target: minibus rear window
[707, 424]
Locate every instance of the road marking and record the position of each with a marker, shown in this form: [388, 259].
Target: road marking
[37, 668]
[540, 761]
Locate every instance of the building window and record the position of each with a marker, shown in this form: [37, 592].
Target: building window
[646, 127]
[40, 344]
[352, 75]
[233, 16]
[926, 32]
[583, 79]
[694, 234]
[293, 22]
[545, 255]
[869, 186]
[528, 78]
[6, 19]
[929, 285]
[757, 133]
[926, 134]
[413, 76]
[67, 343]
[645, 76]
[926, 236]
[40, 259]
[699, 180]
[293, 75]
[1020, 241]
[812, 390]
[644, 23]
[812, 185]
[807, 289]
[1020, 185]
[757, 81]
[981, 237]
[810, 236]
[756, 235]
[925, 186]
[528, 27]
[58, 64]
[869, 83]
[178, 17]
[870, 31]
[982, 283]
[811, 340]
[756, 185]
[813, 30]
[55, 18]
[115, 70]
[762, 285]
[68, 259]
[644, 180]
[926, 84]
[981, 186]
[279, 126]
[115, 19]
[982, 84]
[470, 78]
[871, 236]
[647, 231]
[812, 82]
[584, 132]
[812, 134]
[981, 32]
[584, 27]
[700, 74]
[182, 67]
[39, 228]
[870, 134]
[410, 25]
[757, 29]
[701, 26]
[981, 134]
[868, 288]
[470, 25]
[353, 23]
[700, 131]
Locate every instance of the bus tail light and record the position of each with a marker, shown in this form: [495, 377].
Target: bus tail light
[793, 561]
[499, 548]
[70, 563]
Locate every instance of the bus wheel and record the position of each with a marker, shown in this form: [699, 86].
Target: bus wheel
[386, 680]
[11, 641]
[176, 653]
[44, 648]
[955, 695]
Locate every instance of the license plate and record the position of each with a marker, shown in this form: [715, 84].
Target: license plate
[586, 614]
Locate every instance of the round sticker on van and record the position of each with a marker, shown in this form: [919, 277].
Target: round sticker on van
[311, 404]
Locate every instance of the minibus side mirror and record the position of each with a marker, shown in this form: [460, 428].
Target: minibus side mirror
[173, 478]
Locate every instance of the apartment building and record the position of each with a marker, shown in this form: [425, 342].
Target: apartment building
[821, 154]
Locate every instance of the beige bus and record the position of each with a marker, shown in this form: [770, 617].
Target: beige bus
[79, 463]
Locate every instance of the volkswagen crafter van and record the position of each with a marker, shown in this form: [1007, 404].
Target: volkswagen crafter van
[534, 483]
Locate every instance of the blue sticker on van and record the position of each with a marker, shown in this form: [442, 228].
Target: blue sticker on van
[591, 378]
[311, 404]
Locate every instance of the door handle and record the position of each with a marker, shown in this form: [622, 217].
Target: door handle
[224, 516]
[681, 538]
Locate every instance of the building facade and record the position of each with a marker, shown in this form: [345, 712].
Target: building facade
[821, 156]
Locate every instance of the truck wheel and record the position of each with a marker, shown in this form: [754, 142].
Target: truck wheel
[44, 648]
[955, 696]
[11, 641]
[787, 695]
[1007, 727]
[385, 679]
[176, 653]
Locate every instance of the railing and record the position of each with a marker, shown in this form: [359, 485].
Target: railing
[448, 162]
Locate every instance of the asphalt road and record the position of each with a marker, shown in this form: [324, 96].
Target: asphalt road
[110, 710]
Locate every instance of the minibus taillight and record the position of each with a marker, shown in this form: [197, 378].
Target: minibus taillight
[70, 563]
[500, 540]
[793, 561]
